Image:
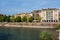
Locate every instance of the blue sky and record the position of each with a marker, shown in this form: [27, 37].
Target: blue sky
[10, 7]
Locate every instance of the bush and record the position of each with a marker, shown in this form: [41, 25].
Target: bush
[45, 35]
[58, 26]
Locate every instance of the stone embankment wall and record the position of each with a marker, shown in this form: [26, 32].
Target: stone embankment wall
[20, 24]
[36, 23]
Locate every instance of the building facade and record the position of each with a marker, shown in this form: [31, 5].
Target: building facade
[47, 15]
[20, 15]
[59, 17]
[35, 14]
[23, 14]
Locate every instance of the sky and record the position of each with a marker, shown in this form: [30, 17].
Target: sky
[10, 7]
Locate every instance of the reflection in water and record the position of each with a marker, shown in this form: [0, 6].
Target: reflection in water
[23, 33]
[18, 34]
[3, 36]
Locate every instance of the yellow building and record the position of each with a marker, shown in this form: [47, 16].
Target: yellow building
[23, 14]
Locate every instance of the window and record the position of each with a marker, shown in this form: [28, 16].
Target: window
[51, 11]
[55, 11]
[55, 14]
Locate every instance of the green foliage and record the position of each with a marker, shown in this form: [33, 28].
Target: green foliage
[18, 19]
[31, 19]
[12, 18]
[45, 35]
[8, 19]
[58, 26]
[24, 19]
[39, 18]
[5, 18]
[1, 18]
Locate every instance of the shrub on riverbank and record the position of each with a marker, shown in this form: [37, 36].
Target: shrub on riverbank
[58, 27]
[45, 35]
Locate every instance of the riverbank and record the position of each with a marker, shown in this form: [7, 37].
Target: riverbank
[29, 24]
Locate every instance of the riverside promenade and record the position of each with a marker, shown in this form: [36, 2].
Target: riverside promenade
[30, 25]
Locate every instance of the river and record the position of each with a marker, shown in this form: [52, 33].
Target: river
[24, 33]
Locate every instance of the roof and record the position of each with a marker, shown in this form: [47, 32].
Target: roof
[1, 15]
[36, 11]
[23, 13]
[51, 9]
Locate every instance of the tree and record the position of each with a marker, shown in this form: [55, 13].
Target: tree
[58, 26]
[1, 18]
[12, 18]
[18, 19]
[31, 19]
[8, 19]
[45, 35]
[24, 19]
[5, 18]
[39, 18]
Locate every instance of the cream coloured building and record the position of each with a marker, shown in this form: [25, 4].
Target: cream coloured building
[59, 17]
[49, 15]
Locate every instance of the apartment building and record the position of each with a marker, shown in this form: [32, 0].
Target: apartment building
[59, 17]
[36, 13]
[49, 15]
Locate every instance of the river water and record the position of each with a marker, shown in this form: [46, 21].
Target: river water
[16, 33]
